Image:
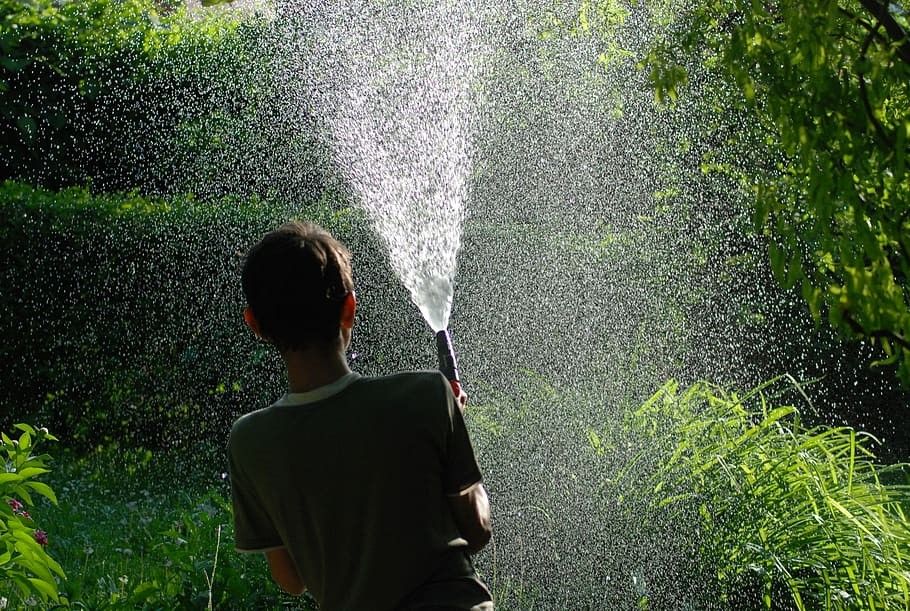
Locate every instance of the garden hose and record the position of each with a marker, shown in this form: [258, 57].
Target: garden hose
[447, 364]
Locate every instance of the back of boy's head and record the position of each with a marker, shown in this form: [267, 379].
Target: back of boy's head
[295, 281]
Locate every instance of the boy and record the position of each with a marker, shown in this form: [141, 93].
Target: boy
[365, 491]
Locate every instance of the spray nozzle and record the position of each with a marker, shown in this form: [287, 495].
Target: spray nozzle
[447, 364]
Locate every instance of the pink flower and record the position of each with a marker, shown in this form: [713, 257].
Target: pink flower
[41, 537]
[24, 514]
[16, 506]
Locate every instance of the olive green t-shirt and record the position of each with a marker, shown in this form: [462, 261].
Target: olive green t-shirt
[352, 479]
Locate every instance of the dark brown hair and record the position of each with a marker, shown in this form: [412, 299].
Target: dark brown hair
[295, 281]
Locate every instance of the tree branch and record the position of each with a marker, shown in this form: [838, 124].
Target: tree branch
[876, 333]
[854, 17]
[894, 29]
[864, 93]
[902, 243]
[872, 29]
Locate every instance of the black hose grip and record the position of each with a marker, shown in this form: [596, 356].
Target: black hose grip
[447, 364]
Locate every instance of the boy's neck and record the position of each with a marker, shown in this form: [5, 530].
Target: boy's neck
[309, 369]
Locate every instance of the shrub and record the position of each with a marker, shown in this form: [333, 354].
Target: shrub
[122, 313]
[24, 560]
[829, 185]
[122, 316]
[786, 511]
[123, 96]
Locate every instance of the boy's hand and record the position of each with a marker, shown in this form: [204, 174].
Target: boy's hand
[461, 397]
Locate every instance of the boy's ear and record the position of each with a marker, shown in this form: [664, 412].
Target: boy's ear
[250, 319]
[348, 309]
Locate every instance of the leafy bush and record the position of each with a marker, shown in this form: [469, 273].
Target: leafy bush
[123, 96]
[832, 124]
[786, 510]
[24, 561]
[122, 313]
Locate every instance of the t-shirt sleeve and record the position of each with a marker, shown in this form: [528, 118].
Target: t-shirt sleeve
[460, 471]
[253, 529]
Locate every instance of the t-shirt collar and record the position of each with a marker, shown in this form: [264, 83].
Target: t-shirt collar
[320, 393]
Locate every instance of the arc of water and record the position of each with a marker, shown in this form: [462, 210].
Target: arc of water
[401, 115]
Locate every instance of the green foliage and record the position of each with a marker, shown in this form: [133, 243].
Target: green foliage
[590, 17]
[24, 561]
[122, 313]
[786, 510]
[161, 538]
[119, 94]
[828, 86]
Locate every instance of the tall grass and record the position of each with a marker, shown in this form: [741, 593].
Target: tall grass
[792, 516]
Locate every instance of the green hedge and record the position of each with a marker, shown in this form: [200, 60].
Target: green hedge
[122, 314]
[118, 95]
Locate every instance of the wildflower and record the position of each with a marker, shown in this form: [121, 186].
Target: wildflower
[41, 537]
[24, 514]
[15, 505]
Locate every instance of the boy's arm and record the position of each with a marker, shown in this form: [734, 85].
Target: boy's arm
[471, 510]
[467, 497]
[253, 529]
[284, 572]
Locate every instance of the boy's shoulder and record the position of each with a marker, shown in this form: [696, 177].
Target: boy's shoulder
[429, 378]
[427, 384]
[418, 382]
[246, 424]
